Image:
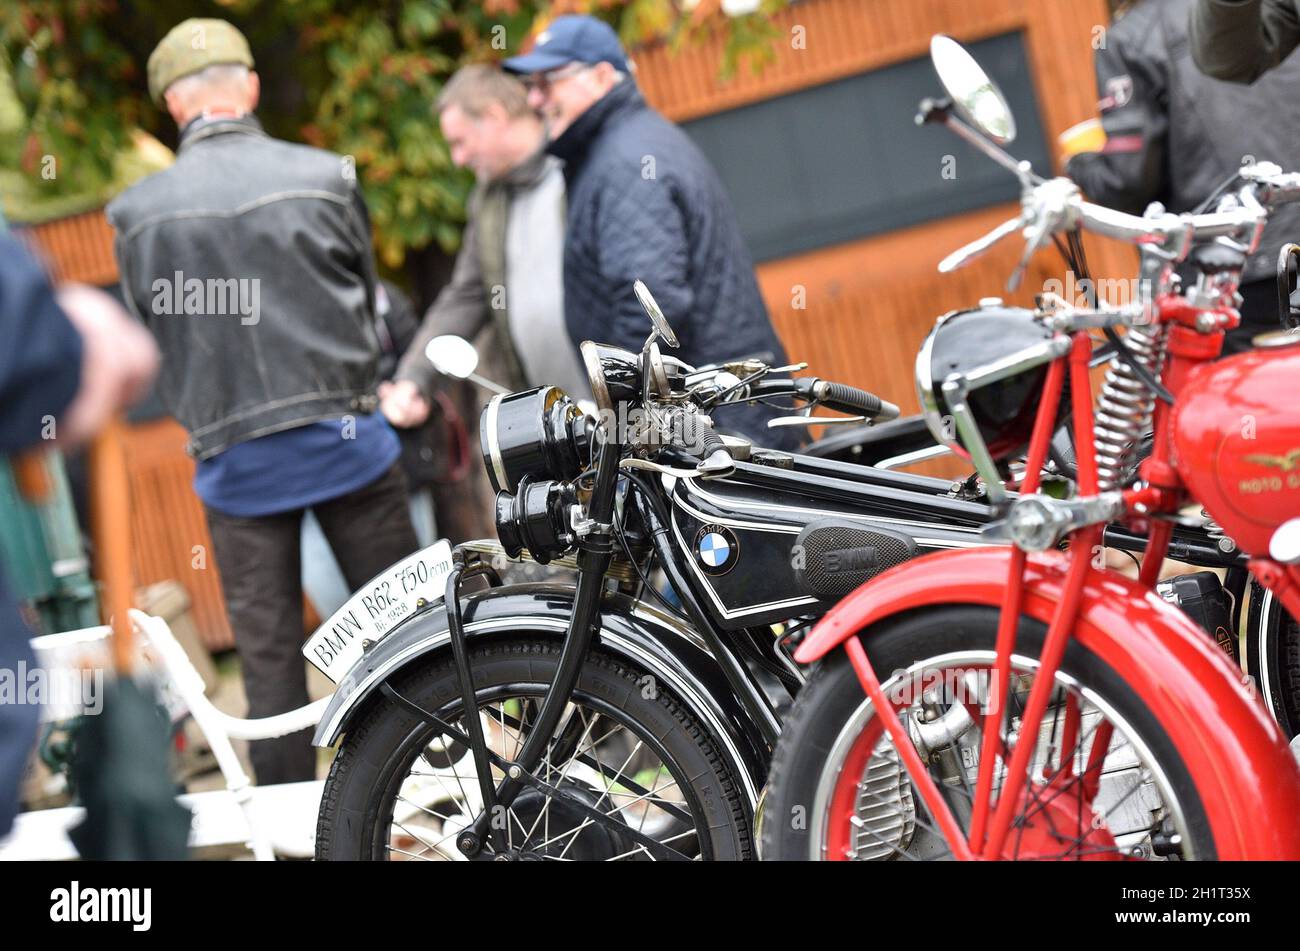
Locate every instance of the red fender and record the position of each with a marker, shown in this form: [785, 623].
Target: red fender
[1235, 752]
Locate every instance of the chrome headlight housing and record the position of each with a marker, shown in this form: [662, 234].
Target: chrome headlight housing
[614, 374]
[994, 360]
[540, 433]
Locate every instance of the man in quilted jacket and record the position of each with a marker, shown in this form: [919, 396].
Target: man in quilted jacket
[644, 203]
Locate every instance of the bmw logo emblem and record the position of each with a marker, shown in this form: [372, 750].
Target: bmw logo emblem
[717, 549]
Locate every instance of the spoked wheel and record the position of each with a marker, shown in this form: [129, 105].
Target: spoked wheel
[1104, 780]
[628, 775]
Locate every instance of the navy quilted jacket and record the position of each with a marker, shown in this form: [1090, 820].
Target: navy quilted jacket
[643, 202]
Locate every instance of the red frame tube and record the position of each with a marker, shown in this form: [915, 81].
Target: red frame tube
[1058, 632]
[1000, 679]
[934, 800]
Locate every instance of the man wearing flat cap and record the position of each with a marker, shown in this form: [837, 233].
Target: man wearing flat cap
[250, 260]
[644, 202]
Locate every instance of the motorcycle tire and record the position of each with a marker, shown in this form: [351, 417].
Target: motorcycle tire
[1273, 656]
[833, 696]
[376, 755]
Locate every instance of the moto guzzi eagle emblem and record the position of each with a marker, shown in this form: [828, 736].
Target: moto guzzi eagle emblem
[1289, 462]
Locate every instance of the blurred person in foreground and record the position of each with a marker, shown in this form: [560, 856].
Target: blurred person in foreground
[76, 358]
[250, 260]
[1240, 40]
[1174, 135]
[644, 203]
[508, 273]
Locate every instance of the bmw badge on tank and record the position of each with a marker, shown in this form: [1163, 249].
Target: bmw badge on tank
[716, 548]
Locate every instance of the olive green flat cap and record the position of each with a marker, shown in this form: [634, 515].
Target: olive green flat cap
[191, 46]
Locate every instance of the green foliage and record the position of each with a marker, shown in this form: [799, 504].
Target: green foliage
[751, 38]
[76, 90]
[358, 79]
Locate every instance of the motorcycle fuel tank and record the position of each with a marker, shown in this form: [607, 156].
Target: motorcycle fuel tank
[767, 545]
[1236, 442]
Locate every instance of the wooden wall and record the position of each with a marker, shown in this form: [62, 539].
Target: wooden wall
[869, 303]
[78, 248]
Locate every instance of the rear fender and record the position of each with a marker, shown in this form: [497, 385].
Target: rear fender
[1237, 755]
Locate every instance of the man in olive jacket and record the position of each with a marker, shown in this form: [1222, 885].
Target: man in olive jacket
[1240, 40]
[507, 276]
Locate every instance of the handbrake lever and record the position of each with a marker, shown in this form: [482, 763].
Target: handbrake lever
[692, 432]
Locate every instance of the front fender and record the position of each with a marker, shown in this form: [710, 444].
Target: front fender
[1237, 755]
[646, 638]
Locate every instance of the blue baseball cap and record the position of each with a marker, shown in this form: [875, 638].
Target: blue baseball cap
[571, 39]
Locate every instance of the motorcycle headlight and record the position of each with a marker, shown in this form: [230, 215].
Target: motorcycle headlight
[614, 374]
[536, 518]
[539, 433]
[1001, 355]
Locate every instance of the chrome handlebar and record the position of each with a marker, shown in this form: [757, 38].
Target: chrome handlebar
[1056, 205]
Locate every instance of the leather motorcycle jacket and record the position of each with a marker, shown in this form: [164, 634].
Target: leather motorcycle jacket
[250, 260]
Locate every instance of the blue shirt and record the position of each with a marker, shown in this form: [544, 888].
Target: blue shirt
[297, 468]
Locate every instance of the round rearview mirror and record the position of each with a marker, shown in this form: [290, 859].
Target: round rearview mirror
[453, 356]
[975, 97]
[656, 315]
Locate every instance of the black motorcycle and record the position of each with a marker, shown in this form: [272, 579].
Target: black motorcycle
[629, 715]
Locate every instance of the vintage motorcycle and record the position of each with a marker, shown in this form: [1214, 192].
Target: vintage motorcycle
[561, 721]
[1023, 701]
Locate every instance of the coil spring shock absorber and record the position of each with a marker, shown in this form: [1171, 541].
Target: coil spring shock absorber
[1125, 405]
[1215, 531]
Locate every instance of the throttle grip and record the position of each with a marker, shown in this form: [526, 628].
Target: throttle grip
[846, 399]
[850, 399]
[708, 447]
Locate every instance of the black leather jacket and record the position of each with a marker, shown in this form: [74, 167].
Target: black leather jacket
[1174, 134]
[250, 260]
[1240, 40]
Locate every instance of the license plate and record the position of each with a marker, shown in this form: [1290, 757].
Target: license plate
[379, 605]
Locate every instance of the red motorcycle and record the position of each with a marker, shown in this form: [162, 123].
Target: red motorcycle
[1027, 702]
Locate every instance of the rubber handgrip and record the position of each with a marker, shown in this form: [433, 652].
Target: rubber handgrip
[707, 446]
[850, 399]
[708, 442]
